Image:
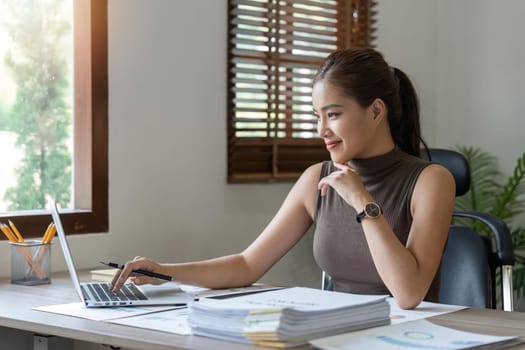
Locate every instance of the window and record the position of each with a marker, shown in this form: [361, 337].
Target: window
[90, 157]
[274, 49]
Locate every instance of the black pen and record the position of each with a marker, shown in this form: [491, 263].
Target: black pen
[139, 271]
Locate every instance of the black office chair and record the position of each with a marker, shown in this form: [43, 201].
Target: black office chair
[470, 261]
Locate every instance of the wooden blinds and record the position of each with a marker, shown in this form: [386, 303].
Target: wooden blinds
[274, 50]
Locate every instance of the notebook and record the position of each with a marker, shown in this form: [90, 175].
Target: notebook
[98, 294]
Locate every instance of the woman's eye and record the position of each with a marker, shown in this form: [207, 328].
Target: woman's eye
[332, 115]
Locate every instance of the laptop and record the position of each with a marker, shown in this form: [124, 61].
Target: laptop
[98, 294]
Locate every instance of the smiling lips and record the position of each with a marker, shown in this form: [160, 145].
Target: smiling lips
[331, 144]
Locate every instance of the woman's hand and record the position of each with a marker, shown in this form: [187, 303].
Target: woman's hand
[137, 263]
[347, 183]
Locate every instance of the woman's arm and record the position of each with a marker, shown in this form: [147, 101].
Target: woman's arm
[286, 228]
[407, 271]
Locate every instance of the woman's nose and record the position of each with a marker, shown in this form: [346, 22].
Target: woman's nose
[322, 127]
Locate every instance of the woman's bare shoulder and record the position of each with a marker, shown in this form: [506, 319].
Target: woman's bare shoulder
[436, 180]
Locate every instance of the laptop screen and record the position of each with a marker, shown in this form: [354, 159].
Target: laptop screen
[65, 248]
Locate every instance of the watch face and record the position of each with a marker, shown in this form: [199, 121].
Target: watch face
[372, 210]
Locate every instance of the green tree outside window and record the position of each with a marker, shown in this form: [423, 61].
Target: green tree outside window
[41, 114]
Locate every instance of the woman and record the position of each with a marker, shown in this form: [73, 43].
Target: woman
[381, 213]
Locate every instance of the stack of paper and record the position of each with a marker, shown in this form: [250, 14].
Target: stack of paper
[287, 317]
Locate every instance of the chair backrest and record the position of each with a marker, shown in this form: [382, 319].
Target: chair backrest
[471, 259]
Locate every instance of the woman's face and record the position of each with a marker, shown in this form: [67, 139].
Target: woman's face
[346, 128]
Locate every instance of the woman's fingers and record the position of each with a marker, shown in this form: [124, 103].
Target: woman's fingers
[121, 276]
[345, 181]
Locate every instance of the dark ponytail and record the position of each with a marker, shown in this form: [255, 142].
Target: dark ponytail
[363, 74]
[404, 124]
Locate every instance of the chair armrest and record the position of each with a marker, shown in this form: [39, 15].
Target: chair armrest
[502, 236]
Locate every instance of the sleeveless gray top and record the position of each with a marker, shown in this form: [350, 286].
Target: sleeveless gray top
[340, 247]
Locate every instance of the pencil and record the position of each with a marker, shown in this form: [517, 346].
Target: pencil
[42, 250]
[139, 271]
[46, 232]
[50, 233]
[15, 230]
[8, 233]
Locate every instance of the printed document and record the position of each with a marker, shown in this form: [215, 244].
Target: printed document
[420, 334]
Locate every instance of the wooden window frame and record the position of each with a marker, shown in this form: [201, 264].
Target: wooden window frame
[90, 197]
[282, 158]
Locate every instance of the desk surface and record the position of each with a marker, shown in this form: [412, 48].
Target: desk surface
[16, 303]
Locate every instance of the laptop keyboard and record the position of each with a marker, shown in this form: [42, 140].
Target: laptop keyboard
[102, 292]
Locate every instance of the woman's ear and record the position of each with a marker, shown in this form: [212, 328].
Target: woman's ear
[378, 109]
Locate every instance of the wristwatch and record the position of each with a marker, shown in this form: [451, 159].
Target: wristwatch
[372, 211]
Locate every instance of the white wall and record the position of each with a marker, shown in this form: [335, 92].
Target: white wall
[168, 196]
[481, 80]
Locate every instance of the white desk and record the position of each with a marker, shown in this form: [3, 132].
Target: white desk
[16, 303]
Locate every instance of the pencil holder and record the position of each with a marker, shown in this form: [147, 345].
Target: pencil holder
[30, 263]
